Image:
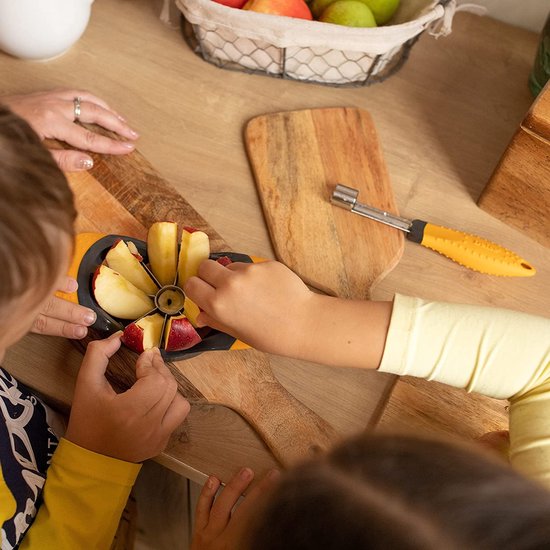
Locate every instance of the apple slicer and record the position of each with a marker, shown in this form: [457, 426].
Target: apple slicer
[168, 302]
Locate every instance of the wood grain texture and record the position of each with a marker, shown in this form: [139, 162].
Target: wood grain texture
[298, 158]
[242, 381]
[518, 192]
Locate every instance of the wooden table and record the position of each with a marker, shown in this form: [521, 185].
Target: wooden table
[443, 121]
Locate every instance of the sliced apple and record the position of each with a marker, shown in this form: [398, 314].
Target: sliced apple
[194, 248]
[118, 296]
[180, 334]
[191, 310]
[224, 260]
[162, 249]
[144, 334]
[122, 260]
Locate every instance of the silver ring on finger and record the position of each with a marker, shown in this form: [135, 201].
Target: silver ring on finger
[76, 108]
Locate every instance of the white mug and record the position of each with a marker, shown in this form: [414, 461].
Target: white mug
[42, 29]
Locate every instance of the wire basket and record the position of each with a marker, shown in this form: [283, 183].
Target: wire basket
[309, 51]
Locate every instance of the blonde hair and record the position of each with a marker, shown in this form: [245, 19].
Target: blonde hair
[36, 209]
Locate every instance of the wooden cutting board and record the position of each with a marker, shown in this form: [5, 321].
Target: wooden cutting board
[125, 195]
[297, 158]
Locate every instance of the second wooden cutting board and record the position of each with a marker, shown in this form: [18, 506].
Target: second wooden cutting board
[297, 158]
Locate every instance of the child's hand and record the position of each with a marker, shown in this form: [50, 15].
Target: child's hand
[59, 317]
[134, 425]
[216, 528]
[265, 305]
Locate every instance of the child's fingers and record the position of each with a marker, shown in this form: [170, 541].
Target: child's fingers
[221, 511]
[96, 360]
[199, 291]
[176, 413]
[249, 506]
[152, 385]
[213, 273]
[205, 501]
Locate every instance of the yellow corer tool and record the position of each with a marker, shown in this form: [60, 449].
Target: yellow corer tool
[467, 250]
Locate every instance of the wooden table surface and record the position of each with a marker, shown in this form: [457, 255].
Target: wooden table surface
[443, 121]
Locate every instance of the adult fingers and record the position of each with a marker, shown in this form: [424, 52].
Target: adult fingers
[72, 161]
[96, 360]
[205, 501]
[221, 510]
[62, 318]
[95, 114]
[81, 138]
[70, 94]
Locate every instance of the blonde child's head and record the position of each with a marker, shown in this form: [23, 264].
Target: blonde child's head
[37, 216]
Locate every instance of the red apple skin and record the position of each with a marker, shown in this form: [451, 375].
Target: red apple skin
[289, 8]
[180, 334]
[224, 260]
[232, 3]
[190, 229]
[133, 337]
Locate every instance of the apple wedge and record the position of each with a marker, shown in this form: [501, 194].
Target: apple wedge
[180, 334]
[118, 296]
[123, 260]
[194, 248]
[191, 310]
[162, 249]
[145, 333]
[224, 260]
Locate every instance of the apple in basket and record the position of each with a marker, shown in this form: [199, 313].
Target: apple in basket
[289, 8]
[232, 3]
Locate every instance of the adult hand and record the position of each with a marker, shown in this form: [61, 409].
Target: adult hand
[216, 526]
[52, 116]
[134, 425]
[59, 317]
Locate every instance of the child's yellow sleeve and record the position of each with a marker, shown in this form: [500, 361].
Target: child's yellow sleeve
[83, 498]
[495, 352]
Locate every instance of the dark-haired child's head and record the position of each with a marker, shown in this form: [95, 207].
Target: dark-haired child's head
[37, 217]
[381, 492]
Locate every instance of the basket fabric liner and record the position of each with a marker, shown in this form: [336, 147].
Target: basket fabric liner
[311, 50]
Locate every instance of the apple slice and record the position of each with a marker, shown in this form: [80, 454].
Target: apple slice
[194, 248]
[162, 249]
[224, 260]
[180, 334]
[122, 260]
[191, 310]
[118, 296]
[145, 333]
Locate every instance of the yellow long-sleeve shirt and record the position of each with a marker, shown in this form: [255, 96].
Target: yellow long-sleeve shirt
[495, 352]
[54, 495]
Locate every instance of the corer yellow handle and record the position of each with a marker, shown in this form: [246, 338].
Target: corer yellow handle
[471, 251]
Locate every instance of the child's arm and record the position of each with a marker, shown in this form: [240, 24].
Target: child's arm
[269, 307]
[499, 353]
[95, 466]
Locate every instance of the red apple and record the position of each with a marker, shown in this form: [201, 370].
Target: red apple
[146, 333]
[122, 260]
[180, 334]
[290, 8]
[232, 3]
[194, 248]
[118, 296]
[224, 260]
[162, 249]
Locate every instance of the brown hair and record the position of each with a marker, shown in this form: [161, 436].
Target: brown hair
[34, 200]
[404, 493]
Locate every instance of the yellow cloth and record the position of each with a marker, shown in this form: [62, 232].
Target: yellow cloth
[83, 498]
[495, 352]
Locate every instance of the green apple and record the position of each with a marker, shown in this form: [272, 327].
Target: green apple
[350, 13]
[318, 6]
[382, 10]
